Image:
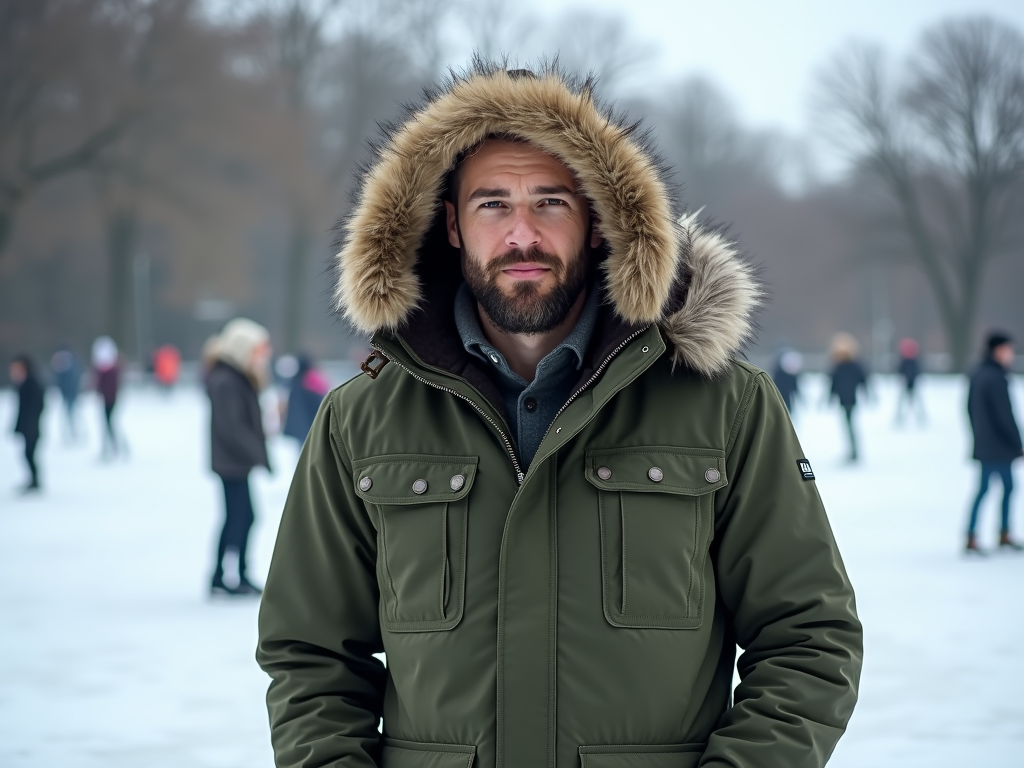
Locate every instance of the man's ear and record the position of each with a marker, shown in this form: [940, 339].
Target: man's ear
[596, 238]
[452, 224]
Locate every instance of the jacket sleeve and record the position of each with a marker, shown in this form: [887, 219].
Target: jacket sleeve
[232, 429]
[781, 579]
[318, 624]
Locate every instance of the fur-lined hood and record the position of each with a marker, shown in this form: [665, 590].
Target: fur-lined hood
[658, 267]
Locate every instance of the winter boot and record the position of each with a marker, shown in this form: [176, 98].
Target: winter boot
[1005, 542]
[218, 588]
[972, 547]
[246, 587]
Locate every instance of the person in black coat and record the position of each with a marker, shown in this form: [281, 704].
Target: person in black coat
[786, 376]
[909, 370]
[237, 441]
[30, 410]
[848, 378]
[997, 441]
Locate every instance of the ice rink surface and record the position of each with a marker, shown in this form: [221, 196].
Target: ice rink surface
[111, 654]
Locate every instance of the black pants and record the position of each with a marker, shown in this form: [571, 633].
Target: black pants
[850, 431]
[238, 520]
[31, 441]
[111, 445]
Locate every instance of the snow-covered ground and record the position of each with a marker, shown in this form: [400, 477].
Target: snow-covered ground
[112, 655]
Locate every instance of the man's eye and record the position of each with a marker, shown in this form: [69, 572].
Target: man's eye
[554, 201]
[491, 204]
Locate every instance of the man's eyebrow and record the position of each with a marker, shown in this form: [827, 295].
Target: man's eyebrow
[496, 192]
[559, 189]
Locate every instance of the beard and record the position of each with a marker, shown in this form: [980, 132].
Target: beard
[527, 308]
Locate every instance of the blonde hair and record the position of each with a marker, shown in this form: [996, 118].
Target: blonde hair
[844, 347]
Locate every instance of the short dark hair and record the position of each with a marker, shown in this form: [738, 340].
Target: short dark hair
[997, 339]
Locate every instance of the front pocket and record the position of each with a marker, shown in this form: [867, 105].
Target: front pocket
[656, 507]
[412, 754]
[642, 756]
[422, 511]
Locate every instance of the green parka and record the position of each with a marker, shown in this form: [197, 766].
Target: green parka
[588, 612]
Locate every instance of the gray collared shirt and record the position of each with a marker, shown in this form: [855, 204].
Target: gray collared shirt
[531, 405]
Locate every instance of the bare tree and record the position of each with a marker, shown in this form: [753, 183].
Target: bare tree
[55, 58]
[948, 144]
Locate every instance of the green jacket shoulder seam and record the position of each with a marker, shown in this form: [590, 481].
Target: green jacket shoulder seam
[741, 411]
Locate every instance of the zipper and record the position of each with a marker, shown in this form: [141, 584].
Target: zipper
[520, 475]
[596, 375]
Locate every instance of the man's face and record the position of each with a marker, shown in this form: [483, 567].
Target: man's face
[525, 236]
[17, 372]
[1003, 354]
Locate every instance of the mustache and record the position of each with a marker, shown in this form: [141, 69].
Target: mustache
[531, 255]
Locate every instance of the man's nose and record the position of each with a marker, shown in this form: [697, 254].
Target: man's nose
[523, 233]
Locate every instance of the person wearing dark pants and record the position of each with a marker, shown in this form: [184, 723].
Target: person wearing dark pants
[30, 410]
[848, 377]
[234, 535]
[239, 358]
[997, 441]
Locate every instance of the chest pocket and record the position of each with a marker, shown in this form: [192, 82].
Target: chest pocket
[422, 510]
[656, 507]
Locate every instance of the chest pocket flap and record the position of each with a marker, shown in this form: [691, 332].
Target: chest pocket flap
[422, 508]
[656, 508]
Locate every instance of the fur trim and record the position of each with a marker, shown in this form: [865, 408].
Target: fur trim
[717, 318]
[378, 284]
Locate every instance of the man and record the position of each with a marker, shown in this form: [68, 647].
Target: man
[555, 501]
[31, 397]
[997, 439]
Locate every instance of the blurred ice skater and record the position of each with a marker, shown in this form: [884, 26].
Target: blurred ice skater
[166, 366]
[909, 369]
[106, 372]
[996, 435]
[30, 409]
[239, 359]
[848, 378]
[67, 374]
[787, 376]
[308, 387]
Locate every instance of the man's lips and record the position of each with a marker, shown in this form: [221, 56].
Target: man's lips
[526, 270]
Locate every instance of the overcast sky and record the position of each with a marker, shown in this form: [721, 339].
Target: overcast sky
[764, 53]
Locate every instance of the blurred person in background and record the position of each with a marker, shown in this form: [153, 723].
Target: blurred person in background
[997, 441]
[67, 375]
[239, 369]
[305, 393]
[166, 366]
[787, 376]
[30, 411]
[909, 369]
[848, 379]
[106, 374]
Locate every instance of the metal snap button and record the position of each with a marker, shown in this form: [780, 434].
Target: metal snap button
[646, 349]
[531, 404]
[656, 474]
[365, 483]
[457, 482]
[712, 475]
[604, 473]
[494, 358]
[420, 486]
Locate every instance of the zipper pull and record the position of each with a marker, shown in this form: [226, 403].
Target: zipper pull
[520, 477]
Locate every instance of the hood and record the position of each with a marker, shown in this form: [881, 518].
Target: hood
[658, 267]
